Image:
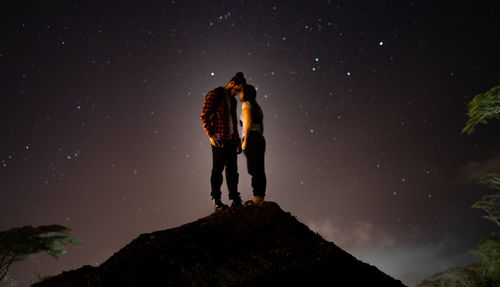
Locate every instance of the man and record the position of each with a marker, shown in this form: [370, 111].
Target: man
[219, 121]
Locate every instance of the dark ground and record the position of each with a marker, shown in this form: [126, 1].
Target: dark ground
[241, 246]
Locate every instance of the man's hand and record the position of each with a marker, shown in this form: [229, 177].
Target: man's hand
[215, 142]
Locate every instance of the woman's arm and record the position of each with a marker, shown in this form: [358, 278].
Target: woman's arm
[246, 128]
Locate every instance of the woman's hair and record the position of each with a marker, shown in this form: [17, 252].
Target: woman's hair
[249, 94]
[239, 79]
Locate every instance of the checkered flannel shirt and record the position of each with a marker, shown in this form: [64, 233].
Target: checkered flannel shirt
[215, 115]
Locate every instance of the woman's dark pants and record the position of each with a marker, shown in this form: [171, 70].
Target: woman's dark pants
[254, 152]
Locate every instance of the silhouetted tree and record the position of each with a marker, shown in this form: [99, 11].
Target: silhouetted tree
[489, 251]
[485, 273]
[490, 203]
[483, 107]
[24, 242]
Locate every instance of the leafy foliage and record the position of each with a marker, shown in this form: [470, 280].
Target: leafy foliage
[467, 276]
[485, 273]
[492, 180]
[489, 250]
[490, 203]
[20, 243]
[482, 107]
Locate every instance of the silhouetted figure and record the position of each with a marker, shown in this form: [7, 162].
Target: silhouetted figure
[220, 124]
[254, 144]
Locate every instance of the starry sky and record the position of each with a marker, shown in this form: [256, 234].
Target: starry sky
[363, 105]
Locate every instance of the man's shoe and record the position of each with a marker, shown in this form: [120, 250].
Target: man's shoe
[236, 202]
[258, 200]
[218, 204]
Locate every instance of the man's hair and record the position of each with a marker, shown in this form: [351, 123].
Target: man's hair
[239, 79]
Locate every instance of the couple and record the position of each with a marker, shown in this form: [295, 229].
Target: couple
[220, 124]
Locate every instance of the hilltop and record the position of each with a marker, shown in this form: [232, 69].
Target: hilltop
[241, 246]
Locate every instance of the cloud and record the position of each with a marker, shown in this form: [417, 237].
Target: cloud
[360, 233]
[472, 171]
[412, 262]
[409, 262]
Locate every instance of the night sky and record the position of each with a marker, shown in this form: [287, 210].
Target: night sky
[363, 106]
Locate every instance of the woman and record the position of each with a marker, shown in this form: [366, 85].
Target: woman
[253, 144]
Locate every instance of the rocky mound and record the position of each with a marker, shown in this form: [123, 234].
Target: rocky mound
[241, 246]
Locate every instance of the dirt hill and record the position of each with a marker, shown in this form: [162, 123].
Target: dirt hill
[241, 246]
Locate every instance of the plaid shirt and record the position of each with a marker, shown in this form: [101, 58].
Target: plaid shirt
[215, 115]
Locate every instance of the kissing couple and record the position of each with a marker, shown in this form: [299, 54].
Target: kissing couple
[221, 126]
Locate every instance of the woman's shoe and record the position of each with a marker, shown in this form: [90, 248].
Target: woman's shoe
[258, 199]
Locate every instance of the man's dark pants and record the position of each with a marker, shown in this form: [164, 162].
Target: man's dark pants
[225, 157]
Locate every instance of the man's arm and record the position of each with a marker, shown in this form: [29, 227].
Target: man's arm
[207, 112]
